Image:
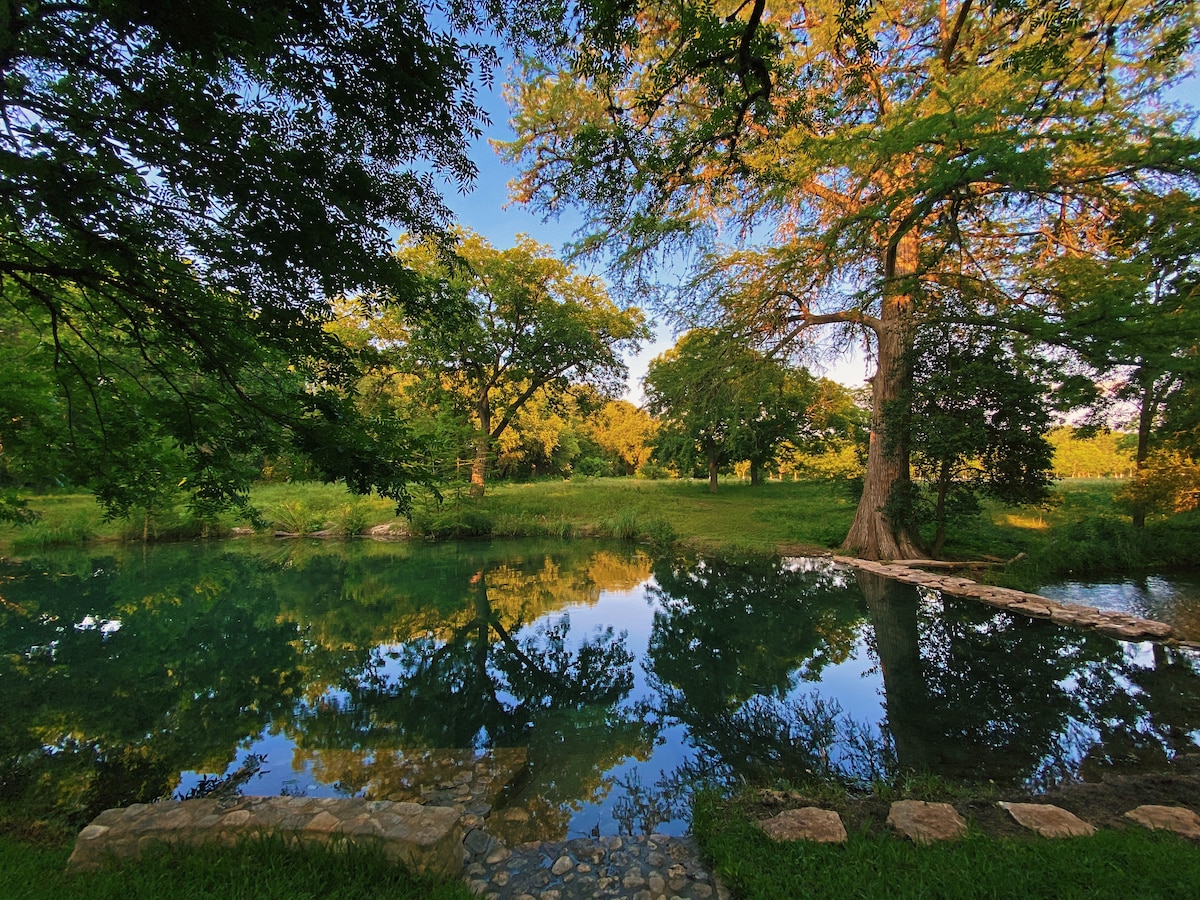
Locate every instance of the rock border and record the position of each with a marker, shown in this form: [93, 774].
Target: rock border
[425, 839]
[927, 823]
[1119, 625]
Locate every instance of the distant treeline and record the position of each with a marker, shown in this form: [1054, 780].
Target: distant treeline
[1107, 454]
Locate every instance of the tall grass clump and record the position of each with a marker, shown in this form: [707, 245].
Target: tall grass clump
[625, 525]
[557, 527]
[167, 524]
[629, 524]
[294, 517]
[43, 535]
[352, 519]
[460, 519]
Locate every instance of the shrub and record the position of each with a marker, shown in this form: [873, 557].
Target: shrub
[456, 521]
[352, 519]
[293, 517]
[653, 471]
[1169, 483]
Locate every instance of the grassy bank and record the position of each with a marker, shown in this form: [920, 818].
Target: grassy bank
[873, 863]
[808, 514]
[1078, 532]
[258, 869]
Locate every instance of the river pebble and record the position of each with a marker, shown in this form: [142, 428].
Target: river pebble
[657, 867]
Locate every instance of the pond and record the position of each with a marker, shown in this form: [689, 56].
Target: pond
[318, 669]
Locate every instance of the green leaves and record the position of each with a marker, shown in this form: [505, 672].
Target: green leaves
[522, 327]
[722, 402]
[185, 189]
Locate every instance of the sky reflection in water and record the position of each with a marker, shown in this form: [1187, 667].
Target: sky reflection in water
[133, 675]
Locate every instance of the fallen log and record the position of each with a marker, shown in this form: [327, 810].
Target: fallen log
[955, 564]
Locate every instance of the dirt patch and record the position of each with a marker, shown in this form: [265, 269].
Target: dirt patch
[1105, 803]
[1102, 803]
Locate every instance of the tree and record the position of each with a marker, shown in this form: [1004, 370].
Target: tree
[626, 432]
[980, 416]
[183, 187]
[721, 402]
[1136, 312]
[838, 422]
[525, 324]
[871, 159]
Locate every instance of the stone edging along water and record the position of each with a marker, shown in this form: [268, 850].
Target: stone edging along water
[423, 838]
[1115, 624]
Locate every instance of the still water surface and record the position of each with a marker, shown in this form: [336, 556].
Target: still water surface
[130, 675]
[1174, 598]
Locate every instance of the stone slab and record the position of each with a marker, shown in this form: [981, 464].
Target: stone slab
[924, 823]
[424, 839]
[1178, 819]
[1048, 820]
[824, 826]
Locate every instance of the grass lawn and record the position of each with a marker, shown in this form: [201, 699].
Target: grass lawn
[812, 514]
[258, 869]
[1131, 863]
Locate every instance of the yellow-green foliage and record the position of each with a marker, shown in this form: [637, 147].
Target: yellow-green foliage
[840, 460]
[1167, 484]
[1107, 455]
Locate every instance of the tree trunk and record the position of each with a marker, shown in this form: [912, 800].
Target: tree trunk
[939, 512]
[755, 473]
[1149, 408]
[483, 444]
[872, 535]
[712, 472]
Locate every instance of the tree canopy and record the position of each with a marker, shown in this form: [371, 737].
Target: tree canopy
[1134, 311]
[721, 402]
[979, 419]
[513, 325]
[184, 186]
[857, 165]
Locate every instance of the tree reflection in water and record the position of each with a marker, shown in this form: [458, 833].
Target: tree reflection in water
[121, 671]
[732, 642]
[486, 682]
[976, 694]
[115, 679]
[969, 693]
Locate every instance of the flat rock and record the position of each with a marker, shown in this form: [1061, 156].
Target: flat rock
[1047, 820]
[924, 823]
[1170, 818]
[808, 824]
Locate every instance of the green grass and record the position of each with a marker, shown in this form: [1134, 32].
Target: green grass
[776, 515]
[1079, 531]
[1118, 864]
[256, 868]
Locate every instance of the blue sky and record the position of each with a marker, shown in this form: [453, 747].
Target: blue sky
[486, 209]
